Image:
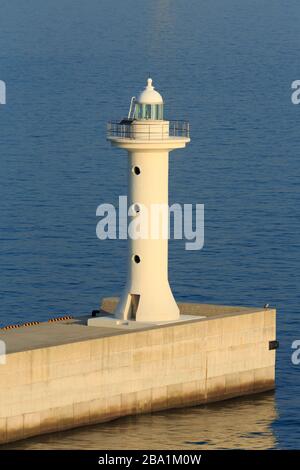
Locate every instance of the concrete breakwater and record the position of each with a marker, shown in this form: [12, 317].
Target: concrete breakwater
[65, 374]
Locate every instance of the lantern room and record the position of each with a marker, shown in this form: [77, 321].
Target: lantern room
[148, 106]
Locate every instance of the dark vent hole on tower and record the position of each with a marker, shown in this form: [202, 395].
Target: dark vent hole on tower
[136, 208]
[136, 170]
[136, 259]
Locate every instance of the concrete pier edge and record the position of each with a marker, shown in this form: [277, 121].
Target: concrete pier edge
[64, 375]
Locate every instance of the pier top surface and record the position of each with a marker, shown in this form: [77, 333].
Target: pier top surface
[48, 334]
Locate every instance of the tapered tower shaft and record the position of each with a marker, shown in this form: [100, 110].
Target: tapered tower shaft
[148, 140]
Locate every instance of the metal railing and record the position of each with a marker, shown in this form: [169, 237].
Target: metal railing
[125, 130]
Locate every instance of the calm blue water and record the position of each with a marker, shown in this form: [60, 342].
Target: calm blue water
[227, 66]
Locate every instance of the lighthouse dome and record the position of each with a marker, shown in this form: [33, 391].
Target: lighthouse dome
[149, 95]
[149, 104]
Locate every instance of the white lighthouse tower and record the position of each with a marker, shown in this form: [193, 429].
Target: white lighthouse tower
[148, 139]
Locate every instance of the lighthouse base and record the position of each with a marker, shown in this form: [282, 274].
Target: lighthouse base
[106, 321]
[155, 306]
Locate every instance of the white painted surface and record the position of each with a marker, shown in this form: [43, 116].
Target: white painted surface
[149, 95]
[109, 322]
[147, 296]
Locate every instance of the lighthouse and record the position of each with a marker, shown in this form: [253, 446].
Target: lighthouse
[148, 139]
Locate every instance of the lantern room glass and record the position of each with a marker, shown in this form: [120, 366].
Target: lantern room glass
[149, 111]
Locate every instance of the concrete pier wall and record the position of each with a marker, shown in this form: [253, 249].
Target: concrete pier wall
[58, 387]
